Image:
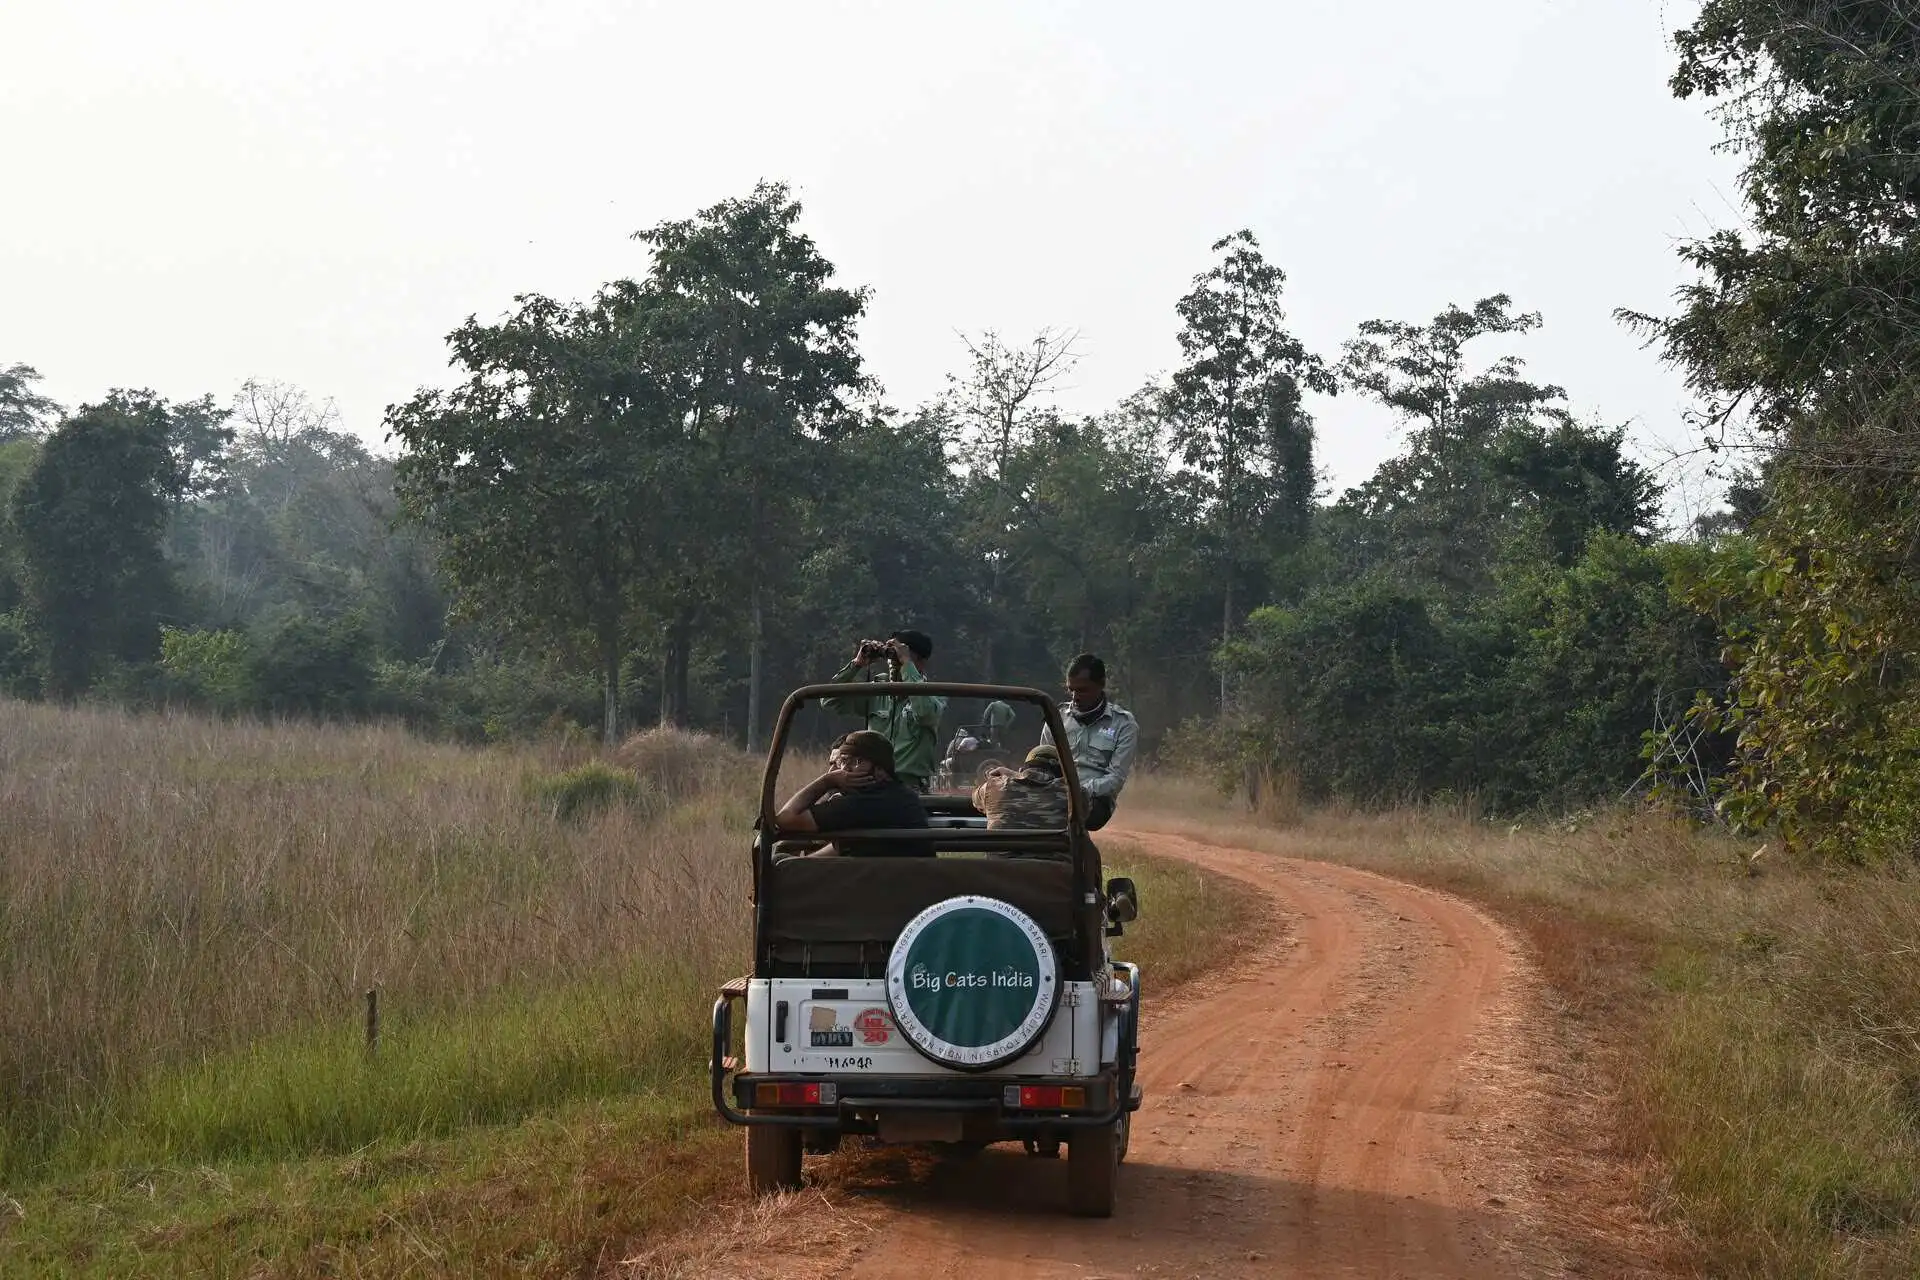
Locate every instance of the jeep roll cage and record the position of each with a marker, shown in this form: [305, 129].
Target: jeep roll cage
[1028, 862]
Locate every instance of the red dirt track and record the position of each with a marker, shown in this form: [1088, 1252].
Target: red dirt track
[1375, 1089]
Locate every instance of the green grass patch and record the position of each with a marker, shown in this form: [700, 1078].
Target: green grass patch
[313, 1092]
[591, 788]
[534, 1135]
[1791, 1154]
[567, 1193]
[1190, 920]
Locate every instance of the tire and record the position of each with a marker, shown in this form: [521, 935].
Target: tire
[1093, 1170]
[820, 1142]
[1126, 1132]
[773, 1159]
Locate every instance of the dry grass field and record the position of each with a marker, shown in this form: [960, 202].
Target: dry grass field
[192, 913]
[1761, 1019]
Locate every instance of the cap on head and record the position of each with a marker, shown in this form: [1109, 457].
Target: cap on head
[1046, 755]
[865, 744]
[918, 643]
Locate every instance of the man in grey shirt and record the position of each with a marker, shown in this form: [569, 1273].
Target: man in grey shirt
[1101, 736]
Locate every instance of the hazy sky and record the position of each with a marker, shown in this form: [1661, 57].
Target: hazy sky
[199, 191]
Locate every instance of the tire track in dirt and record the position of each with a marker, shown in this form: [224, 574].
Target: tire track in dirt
[1366, 1093]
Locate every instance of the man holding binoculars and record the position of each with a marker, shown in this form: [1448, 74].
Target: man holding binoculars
[910, 723]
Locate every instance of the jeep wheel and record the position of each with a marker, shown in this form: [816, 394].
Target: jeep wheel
[773, 1159]
[1093, 1167]
[1126, 1132]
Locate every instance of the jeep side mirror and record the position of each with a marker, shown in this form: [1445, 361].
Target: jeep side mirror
[1123, 900]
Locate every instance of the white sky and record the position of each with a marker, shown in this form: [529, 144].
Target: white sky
[203, 191]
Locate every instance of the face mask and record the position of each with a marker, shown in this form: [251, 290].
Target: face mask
[1088, 717]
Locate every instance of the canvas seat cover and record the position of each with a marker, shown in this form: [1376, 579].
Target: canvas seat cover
[857, 900]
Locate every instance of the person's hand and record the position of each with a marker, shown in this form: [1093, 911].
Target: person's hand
[838, 779]
[861, 657]
[901, 654]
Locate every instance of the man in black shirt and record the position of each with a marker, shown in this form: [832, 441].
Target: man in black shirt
[858, 792]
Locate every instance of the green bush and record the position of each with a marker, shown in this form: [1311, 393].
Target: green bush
[1823, 704]
[488, 703]
[20, 663]
[213, 668]
[307, 666]
[592, 788]
[1537, 695]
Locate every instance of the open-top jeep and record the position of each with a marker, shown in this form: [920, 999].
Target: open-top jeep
[959, 1000]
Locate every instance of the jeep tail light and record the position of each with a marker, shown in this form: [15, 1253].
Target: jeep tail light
[1045, 1097]
[795, 1095]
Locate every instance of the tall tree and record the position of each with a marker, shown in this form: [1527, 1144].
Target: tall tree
[17, 457]
[1000, 410]
[1103, 534]
[1435, 511]
[1809, 321]
[1804, 329]
[91, 516]
[23, 411]
[1006, 392]
[539, 472]
[763, 366]
[1238, 413]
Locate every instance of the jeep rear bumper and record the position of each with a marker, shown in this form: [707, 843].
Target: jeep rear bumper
[1010, 1105]
[850, 1103]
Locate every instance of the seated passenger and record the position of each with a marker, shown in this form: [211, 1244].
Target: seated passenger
[1032, 799]
[858, 792]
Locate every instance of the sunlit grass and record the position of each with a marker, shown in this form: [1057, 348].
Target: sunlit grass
[1762, 1018]
[177, 893]
[192, 912]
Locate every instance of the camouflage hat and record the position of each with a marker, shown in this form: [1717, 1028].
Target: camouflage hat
[865, 744]
[1045, 754]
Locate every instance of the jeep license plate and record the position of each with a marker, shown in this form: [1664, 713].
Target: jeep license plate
[920, 1126]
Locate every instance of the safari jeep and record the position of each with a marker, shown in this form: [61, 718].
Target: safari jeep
[959, 1000]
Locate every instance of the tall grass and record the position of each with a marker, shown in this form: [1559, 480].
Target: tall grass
[1762, 1017]
[191, 913]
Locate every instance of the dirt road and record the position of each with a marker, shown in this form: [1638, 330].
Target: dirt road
[1371, 1092]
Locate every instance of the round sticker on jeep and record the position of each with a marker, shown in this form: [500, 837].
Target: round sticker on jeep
[972, 982]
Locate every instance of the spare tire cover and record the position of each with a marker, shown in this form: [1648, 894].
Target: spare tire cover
[972, 982]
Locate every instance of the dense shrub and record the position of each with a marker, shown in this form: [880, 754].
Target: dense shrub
[314, 667]
[591, 788]
[488, 703]
[211, 668]
[1537, 694]
[20, 662]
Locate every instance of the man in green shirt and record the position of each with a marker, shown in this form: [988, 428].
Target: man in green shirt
[911, 724]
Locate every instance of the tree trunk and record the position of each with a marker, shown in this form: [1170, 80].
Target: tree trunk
[673, 676]
[610, 671]
[993, 623]
[1226, 633]
[755, 637]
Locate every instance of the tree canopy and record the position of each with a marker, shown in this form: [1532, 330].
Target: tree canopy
[669, 498]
